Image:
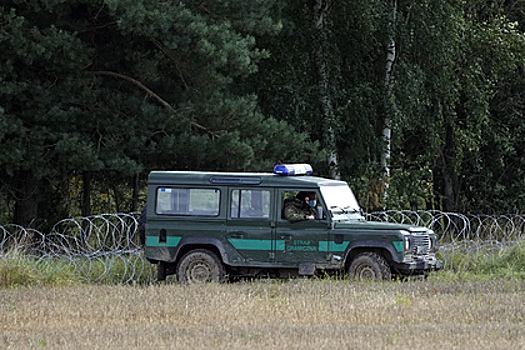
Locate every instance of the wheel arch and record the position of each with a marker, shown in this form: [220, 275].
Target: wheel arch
[211, 244]
[382, 248]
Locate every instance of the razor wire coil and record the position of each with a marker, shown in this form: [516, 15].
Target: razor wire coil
[105, 248]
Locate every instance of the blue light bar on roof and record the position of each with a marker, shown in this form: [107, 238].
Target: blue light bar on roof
[293, 169]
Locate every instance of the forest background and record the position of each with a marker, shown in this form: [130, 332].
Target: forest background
[418, 104]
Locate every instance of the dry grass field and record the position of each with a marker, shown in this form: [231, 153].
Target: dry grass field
[301, 314]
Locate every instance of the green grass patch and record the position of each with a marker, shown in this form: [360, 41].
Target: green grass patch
[113, 270]
[468, 264]
[510, 263]
[19, 271]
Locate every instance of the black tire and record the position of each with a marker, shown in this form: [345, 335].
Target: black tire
[200, 266]
[369, 266]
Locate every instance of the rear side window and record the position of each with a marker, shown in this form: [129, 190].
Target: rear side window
[250, 204]
[187, 201]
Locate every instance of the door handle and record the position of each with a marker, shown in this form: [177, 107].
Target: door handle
[236, 235]
[163, 235]
[286, 237]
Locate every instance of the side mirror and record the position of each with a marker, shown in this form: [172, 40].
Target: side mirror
[319, 213]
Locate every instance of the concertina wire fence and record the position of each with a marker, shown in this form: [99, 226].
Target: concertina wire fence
[105, 248]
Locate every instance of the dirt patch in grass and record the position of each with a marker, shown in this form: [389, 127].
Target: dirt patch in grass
[302, 314]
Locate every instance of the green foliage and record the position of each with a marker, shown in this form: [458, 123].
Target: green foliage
[16, 271]
[411, 189]
[510, 263]
[451, 60]
[19, 271]
[455, 56]
[484, 264]
[107, 90]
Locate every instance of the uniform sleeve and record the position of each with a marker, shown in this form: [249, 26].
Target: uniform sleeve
[293, 214]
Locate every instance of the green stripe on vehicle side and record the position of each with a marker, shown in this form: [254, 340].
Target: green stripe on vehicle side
[266, 244]
[399, 245]
[251, 244]
[328, 246]
[171, 241]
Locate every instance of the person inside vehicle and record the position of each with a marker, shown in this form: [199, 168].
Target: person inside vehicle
[301, 207]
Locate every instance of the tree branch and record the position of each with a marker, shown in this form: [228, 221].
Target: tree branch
[161, 47]
[151, 94]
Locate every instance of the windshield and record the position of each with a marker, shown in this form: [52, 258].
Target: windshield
[340, 201]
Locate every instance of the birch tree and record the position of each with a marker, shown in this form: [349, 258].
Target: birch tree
[389, 96]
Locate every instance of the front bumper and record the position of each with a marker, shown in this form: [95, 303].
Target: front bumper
[419, 264]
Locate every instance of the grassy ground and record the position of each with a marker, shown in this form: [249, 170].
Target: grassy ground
[301, 314]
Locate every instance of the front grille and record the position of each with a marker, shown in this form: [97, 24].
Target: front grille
[420, 244]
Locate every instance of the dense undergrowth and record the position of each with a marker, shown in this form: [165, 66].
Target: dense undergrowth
[16, 270]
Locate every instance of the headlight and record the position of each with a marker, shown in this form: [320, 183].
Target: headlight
[406, 235]
[433, 243]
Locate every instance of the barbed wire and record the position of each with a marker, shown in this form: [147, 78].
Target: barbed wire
[463, 238]
[105, 248]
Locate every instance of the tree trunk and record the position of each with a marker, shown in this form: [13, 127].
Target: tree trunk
[86, 194]
[450, 179]
[389, 86]
[135, 198]
[116, 199]
[26, 205]
[321, 11]
[86, 206]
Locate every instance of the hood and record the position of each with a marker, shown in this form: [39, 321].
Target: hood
[378, 226]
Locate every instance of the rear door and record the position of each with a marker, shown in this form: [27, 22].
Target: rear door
[249, 225]
[179, 213]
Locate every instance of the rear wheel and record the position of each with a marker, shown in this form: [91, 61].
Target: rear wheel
[200, 266]
[369, 266]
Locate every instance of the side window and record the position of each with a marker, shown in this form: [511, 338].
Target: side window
[300, 201]
[254, 204]
[187, 201]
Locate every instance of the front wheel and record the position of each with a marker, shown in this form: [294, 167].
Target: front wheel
[369, 266]
[200, 266]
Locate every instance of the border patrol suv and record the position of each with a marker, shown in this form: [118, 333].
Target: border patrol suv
[205, 226]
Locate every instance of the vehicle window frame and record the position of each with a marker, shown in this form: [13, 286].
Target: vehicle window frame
[216, 211]
[266, 217]
[280, 216]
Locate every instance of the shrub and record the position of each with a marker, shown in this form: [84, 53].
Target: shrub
[510, 263]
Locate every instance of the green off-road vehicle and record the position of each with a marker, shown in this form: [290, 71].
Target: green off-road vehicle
[207, 226]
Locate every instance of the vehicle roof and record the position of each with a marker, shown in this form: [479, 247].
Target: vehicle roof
[237, 179]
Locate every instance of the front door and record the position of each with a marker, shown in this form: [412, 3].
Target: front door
[301, 242]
